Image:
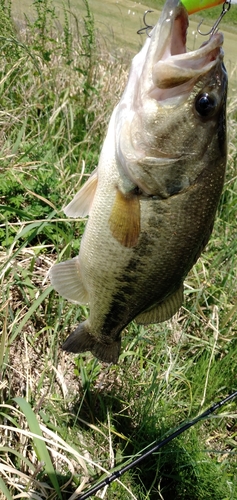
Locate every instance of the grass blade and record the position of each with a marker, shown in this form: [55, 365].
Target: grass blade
[40, 446]
[5, 490]
[19, 137]
[31, 311]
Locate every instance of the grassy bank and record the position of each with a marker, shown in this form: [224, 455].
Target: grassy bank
[117, 23]
[65, 420]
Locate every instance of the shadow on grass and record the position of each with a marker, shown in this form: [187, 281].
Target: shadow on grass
[181, 470]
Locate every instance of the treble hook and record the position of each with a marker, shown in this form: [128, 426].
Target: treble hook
[147, 27]
[225, 8]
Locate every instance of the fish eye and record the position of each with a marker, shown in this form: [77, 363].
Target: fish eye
[205, 104]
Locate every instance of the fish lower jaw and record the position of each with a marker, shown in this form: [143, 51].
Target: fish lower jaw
[174, 78]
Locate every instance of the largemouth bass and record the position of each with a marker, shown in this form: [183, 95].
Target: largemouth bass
[152, 200]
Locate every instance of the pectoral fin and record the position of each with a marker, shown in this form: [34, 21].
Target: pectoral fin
[162, 311]
[82, 201]
[125, 219]
[66, 279]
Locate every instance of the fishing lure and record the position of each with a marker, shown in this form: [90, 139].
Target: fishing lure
[193, 6]
[225, 8]
[196, 5]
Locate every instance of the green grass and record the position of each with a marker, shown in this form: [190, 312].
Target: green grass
[67, 420]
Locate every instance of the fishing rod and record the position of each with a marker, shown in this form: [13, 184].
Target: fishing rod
[155, 447]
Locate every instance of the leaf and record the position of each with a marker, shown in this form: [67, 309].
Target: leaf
[36, 229]
[10, 450]
[5, 490]
[30, 312]
[19, 137]
[14, 210]
[39, 444]
[38, 226]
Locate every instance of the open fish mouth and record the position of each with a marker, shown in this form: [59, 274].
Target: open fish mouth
[173, 66]
[168, 84]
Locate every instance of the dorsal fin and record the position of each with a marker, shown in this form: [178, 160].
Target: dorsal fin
[81, 203]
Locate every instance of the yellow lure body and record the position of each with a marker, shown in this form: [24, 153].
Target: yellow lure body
[196, 5]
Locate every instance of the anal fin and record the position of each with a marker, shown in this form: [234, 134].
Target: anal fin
[162, 311]
[66, 279]
[124, 220]
[81, 203]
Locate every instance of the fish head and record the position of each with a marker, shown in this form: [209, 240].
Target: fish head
[170, 122]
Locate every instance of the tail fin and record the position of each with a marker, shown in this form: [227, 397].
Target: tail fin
[81, 340]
